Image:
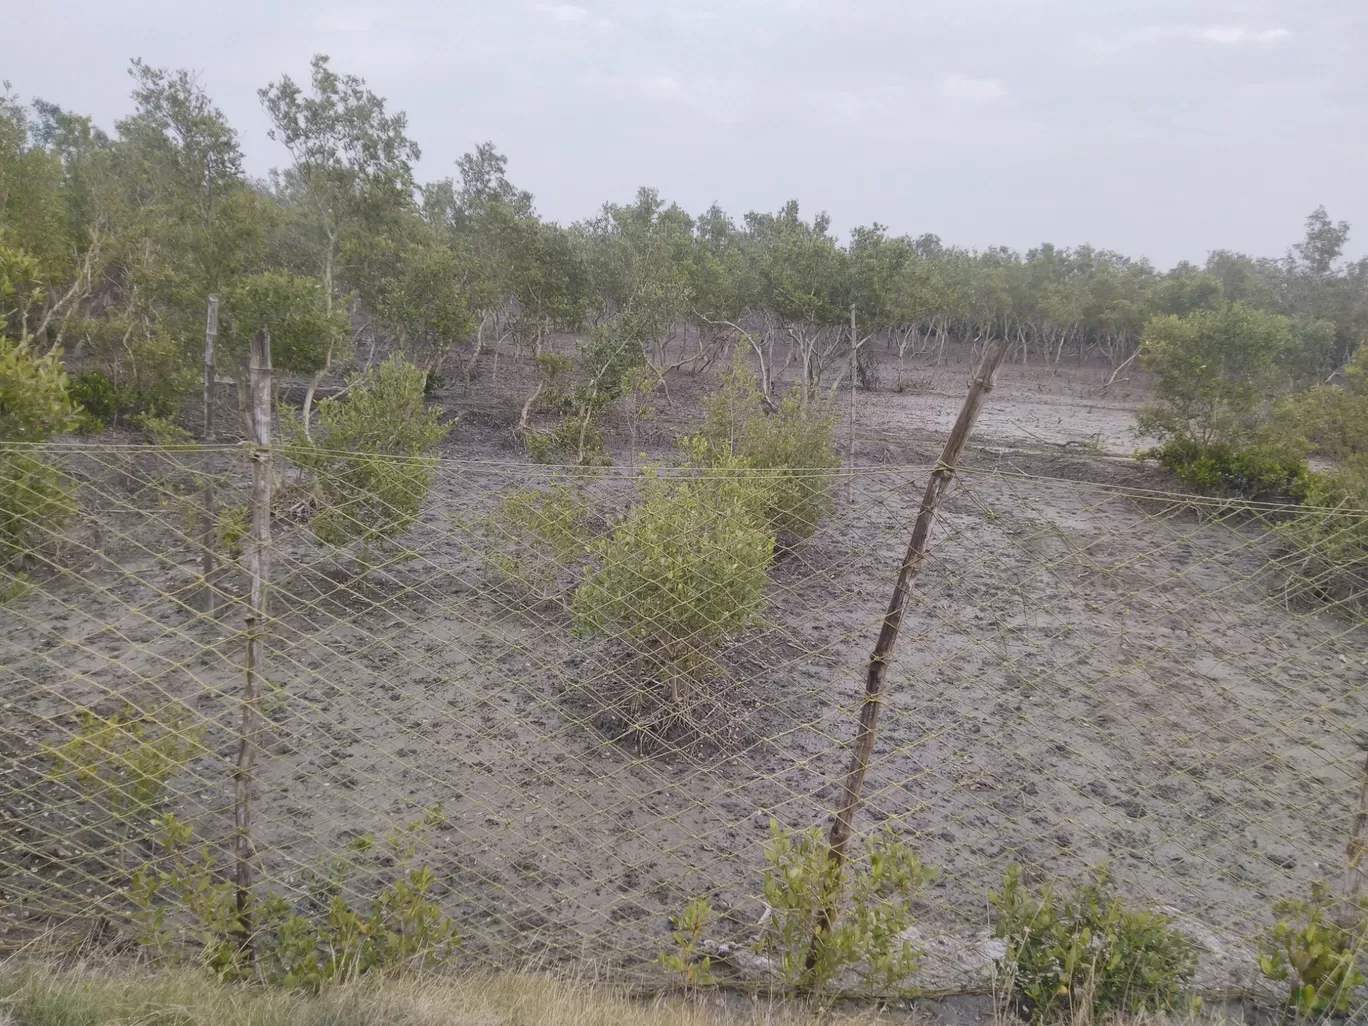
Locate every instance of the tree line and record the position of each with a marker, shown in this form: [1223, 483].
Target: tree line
[110, 245]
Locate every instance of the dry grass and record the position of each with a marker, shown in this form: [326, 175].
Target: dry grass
[85, 996]
[38, 995]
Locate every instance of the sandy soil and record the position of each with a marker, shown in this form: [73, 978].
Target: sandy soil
[1090, 673]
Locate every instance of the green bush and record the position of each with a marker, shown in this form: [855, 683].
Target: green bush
[1086, 950]
[1213, 369]
[123, 761]
[1316, 956]
[868, 937]
[581, 390]
[1324, 553]
[371, 455]
[685, 567]
[792, 449]
[134, 372]
[34, 406]
[1217, 468]
[183, 909]
[536, 535]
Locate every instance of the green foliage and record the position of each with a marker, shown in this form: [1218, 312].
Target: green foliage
[12, 587]
[34, 406]
[232, 525]
[1086, 949]
[34, 501]
[582, 390]
[293, 309]
[868, 938]
[133, 371]
[1212, 369]
[1219, 468]
[372, 455]
[124, 761]
[686, 961]
[183, 909]
[792, 449]
[538, 534]
[425, 300]
[21, 289]
[1315, 955]
[685, 567]
[1324, 554]
[1330, 421]
[160, 431]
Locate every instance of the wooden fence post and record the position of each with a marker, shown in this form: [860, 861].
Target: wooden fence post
[258, 569]
[209, 529]
[877, 675]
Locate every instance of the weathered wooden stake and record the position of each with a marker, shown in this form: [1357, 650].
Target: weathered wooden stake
[208, 532]
[1355, 868]
[257, 568]
[877, 676]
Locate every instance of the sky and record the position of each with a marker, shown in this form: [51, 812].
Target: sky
[1162, 128]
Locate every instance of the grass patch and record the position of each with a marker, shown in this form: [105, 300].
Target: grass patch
[119, 995]
[39, 996]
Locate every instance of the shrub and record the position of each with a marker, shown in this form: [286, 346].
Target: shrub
[1222, 469]
[868, 937]
[1325, 544]
[686, 959]
[538, 534]
[34, 406]
[123, 761]
[792, 449]
[372, 455]
[581, 390]
[183, 908]
[683, 569]
[1085, 949]
[134, 372]
[1212, 370]
[1315, 955]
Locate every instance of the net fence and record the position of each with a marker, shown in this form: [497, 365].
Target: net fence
[1088, 674]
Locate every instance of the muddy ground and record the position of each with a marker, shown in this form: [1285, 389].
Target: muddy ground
[1092, 672]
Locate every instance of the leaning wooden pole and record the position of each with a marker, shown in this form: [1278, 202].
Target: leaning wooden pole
[877, 676]
[258, 570]
[209, 529]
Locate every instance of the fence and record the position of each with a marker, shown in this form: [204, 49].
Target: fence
[1087, 674]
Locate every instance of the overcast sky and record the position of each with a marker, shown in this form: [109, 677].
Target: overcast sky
[1163, 128]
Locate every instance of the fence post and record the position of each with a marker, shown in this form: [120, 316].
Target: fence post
[258, 569]
[208, 532]
[877, 675]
